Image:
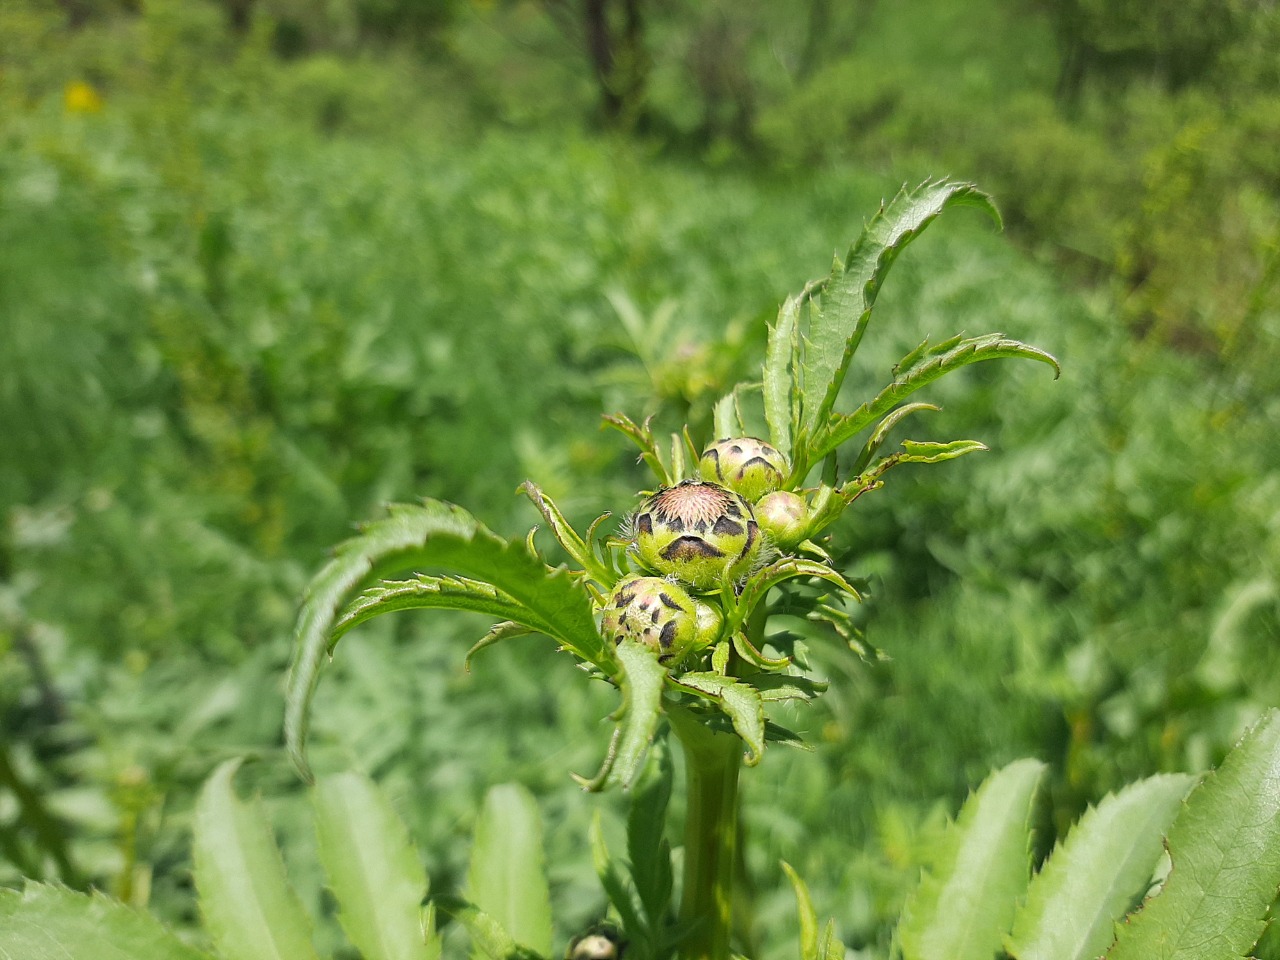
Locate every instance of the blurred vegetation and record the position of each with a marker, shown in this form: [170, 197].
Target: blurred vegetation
[266, 264]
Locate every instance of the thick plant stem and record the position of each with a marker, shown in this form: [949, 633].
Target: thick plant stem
[712, 763]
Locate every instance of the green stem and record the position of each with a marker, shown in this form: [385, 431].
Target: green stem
[712, 763]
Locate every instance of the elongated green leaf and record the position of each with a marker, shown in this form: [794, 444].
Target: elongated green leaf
[1091, 881]
[784, 686]
[43, 922]
[488, 936]
[642, 437]
[1225, 848]
[928, 368]
[647, 846]
[778, 381]
[725, 420]
[433, 534]
[881, 432]
[965, 904]
[642, 677]
[615, 887]
[248, 906]
[838, 320]
[809, 946]
[504, 630]
[373, 870]
[741, 704]
[426, 592]
[507, 879]
[568, 538]
[766, 578]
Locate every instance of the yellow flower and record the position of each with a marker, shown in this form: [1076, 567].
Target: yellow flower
[81, 97]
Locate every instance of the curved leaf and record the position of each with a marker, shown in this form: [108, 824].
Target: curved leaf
[1092, 880]
[839, 317]
[965, 904]
[780, 395]
[567, 537]
[425, 592]
[507, 879]
[741, 703]
[809, 949]
[641, 683]
[433, 534]
[766, 578]
[249, 908]
[1225, 848]
[41, 921]
[373, 870]
[487, 935]
[928, 368]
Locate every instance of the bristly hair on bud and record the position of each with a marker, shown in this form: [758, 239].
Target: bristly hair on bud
[698, 532]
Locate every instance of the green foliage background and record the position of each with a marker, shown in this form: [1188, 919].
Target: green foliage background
[264, 267]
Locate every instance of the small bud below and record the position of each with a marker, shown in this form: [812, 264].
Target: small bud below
[784, 518]
[660, 615]
[745, 465]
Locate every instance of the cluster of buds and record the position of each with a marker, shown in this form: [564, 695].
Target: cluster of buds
[701, 536]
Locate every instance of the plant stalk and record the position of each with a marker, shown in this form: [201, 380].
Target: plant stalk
[712, 763]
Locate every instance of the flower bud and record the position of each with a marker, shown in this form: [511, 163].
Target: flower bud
[660, 615]
[697, 532]
[783, 517]
[745, 465]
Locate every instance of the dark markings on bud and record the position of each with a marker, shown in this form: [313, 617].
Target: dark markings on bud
[668, 635]
[753, 531]
[669, 603]
[728, 528]
[690, 548]
[731, 509]
[622, 599]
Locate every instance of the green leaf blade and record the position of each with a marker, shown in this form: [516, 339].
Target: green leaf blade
[839, 319]
[740, 702]
[1225, 848]
[507, 879]
[929, 367]
[778, 381]
[373, 870]
[642, 679]
[43, 921]
[432, 534]
[1092, 879]
[965, 905]
[249, 908]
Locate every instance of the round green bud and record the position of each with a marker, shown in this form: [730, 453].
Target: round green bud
[660, 615]
[783, 517]
[698, 533]
[745, 465]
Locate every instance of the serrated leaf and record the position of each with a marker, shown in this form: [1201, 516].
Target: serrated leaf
[838, 320]
[373, 870]
[784, 686]
[881, 432]
[766, 578]
[809, 946]
[740, 703]
[1092, 880]
[433, 534]
[1225, 849]
[249, 908]
[642, 677]
[725, 420]
[426, 592]
[43, 922]
[647, 846]
[488, 936]
[642, 437]
[567, 537]
[506, 630]
[614, 887]
[507, 879]
[934, 451]
[779, 386]
[993, 346]
[965, 903]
